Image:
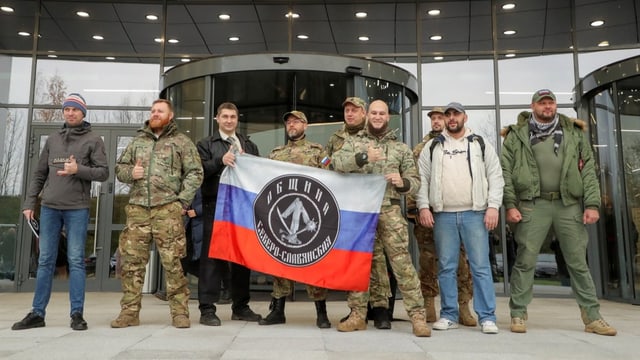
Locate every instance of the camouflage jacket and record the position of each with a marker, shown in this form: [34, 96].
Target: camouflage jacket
[172, 168]
[301, 152]
[399, 159]
[336, 140]
[411, 201]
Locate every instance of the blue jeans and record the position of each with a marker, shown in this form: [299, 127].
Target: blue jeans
[467, 228]
[75, 224]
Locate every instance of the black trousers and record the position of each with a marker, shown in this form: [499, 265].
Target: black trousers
[212, 271]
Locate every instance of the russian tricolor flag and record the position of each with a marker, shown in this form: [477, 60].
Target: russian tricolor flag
[298, 222]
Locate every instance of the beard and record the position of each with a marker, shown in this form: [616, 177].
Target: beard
[155, 124]
[377, 132]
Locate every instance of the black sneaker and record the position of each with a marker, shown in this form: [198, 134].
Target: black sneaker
[246, 314]
[32, 320]
[208, 317]
[77, 322]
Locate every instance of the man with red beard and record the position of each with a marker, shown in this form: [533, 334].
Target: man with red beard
[163, 169]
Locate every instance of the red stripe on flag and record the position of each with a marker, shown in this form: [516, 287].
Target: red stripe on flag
[339, 269]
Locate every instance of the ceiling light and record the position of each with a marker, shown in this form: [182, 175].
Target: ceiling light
[603, 43]
[332, 85]
[509, 32]
[234, 38]
[434, 12]
[508, 6]
[435, 37]
[23, 33]
[53, 56]
[224, 16]
[110, 58]
[6, 8]
[438, 58]
[98, 37]
[363, 38]
[158, 40]
[152, 17]
[185, 60]
[292, 15]
[361, 14]
[173, 41]
[82, 14]
[303, 37]
[597, 23]
[510, 55]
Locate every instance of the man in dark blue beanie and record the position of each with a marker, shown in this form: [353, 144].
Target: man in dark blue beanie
[77, 101]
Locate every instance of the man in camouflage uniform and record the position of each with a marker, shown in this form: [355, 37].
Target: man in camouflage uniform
[298, 151]
[355, 115]
[163, 169]
[427, 247]
[375, 150]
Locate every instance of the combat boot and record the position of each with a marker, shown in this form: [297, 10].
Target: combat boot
[430, 307]
[276, 316]
[124, 319]
[322, 321]
[599, 326]
[419, 322]
[465, 317]
[381, 318]
[354, 322]
[181, 321]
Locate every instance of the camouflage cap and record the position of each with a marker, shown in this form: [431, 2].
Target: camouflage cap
[298, 114]
[436, 109]
[355, 101]
[541, 94]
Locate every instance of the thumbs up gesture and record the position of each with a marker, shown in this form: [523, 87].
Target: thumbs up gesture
[138, 170]
[70, 167]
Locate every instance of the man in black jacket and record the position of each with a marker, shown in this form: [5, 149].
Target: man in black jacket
[216, 152]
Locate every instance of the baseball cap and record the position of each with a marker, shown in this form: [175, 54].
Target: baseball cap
[541, 94]
[355, 101]
[436, 109]
[455, 106]
[298, 114]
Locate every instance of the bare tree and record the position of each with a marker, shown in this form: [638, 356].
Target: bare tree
[12, 166]
[50, 91]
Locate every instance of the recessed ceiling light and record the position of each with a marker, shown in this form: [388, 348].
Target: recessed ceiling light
[224, 16]
[332, 85]
[98, 37]
[82, 13]
[510, 55]
[438, 58]
[151, 17]
[603, 43]
[597, 23]
[361, 14]
[173, 41]
[6, 8]
[158, 40]
[508, 6]
[110, 58]
[185, 59]
[435, 37]
[292, 15]
[303, 37]
[23, 33]
[571, 47]
[434, 12]
[363, 38]
[509, 32]
[53, 56]
[234, 38]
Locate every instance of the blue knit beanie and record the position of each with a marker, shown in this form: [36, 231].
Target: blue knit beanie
[77, 101]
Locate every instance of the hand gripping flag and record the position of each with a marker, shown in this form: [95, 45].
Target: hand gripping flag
[298, 222]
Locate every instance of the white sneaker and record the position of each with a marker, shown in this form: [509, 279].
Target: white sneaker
[489, 327]
[444, 324]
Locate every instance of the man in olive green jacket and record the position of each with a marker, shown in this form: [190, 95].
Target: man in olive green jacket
[550, 180]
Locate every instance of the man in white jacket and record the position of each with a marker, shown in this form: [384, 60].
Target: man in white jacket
[460, 195]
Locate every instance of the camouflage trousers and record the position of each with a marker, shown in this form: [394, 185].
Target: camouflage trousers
[429, 267]
[284, 287]
[392, 238]
[162, 224]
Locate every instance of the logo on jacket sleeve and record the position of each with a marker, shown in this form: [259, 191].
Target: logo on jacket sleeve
[296, 219]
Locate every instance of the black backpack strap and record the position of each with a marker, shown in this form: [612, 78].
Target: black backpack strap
[471, 138]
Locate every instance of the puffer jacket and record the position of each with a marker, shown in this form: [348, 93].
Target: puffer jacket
[578, 180]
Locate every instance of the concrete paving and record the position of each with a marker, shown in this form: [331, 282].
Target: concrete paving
[555, 331]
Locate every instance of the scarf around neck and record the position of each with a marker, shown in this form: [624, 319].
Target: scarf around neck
[539, 131]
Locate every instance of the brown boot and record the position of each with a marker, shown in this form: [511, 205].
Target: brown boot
[430, 307]
[419, 322]
[354, 322]
[125, 319]
[181, 321]
[465, 317]
[600, 327]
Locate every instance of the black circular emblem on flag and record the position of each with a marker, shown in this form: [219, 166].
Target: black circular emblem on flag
[297, 219]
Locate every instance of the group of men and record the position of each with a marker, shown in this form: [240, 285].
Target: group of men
[545, 177]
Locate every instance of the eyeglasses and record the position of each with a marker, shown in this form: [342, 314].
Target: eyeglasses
[294, 121]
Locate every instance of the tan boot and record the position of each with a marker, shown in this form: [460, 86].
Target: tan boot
[600, 327]
[419, 322]
[181, 321]
[430, 307]
[354, 322]
[518, 325]
[125, 319]
[465, 317]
